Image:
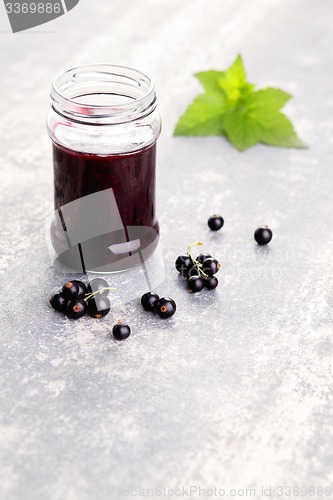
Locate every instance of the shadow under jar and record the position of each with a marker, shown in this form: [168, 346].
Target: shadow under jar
[104, 126]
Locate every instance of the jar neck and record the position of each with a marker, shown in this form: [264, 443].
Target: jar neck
[103, 94]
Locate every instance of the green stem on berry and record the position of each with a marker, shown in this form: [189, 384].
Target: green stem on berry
[195, 262]
[202, 272]
[88, 296]
[189, 248]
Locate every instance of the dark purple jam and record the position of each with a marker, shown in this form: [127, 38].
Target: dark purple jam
[125, 215]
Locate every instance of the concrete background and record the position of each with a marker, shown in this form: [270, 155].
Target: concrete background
[236, 390]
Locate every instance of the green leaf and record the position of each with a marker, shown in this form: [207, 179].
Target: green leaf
[232, 106]
[268, 98]
[203, 116]
[235, 76]
[281, 133]
[210, 80]
[260, 120]
[241, 130]
[234, 83]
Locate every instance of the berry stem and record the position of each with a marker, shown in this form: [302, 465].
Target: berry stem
[189, 248]
[88, 296]
[195, 262]
[201, 271]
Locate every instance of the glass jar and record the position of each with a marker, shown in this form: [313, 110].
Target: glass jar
[104, 126]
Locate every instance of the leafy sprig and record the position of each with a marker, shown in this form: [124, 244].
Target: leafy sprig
[233, 107]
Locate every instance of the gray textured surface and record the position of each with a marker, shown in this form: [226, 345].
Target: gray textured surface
[236, 390]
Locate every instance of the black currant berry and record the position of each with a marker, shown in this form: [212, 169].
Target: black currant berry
[183, 264]
[99, 306]
[149, 301]
[263, 235]
[195, 284]
[193, 271]
[211, 282]
[82, 288]
[166, 307]
[76, 308]
[98, 284]
[59, 302]
[210, 266]
[70, 289]
[215, 222]
[121, 331]
[203, 256]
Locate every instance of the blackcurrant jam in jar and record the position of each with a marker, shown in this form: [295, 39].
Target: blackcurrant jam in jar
[104, 126]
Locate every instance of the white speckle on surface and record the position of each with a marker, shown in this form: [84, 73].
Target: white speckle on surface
[55, 387]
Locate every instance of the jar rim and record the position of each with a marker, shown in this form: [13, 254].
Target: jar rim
[142, 102]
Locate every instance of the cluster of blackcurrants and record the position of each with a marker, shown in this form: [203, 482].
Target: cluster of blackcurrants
[199, 272]
[76, 299]
[165, 307]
